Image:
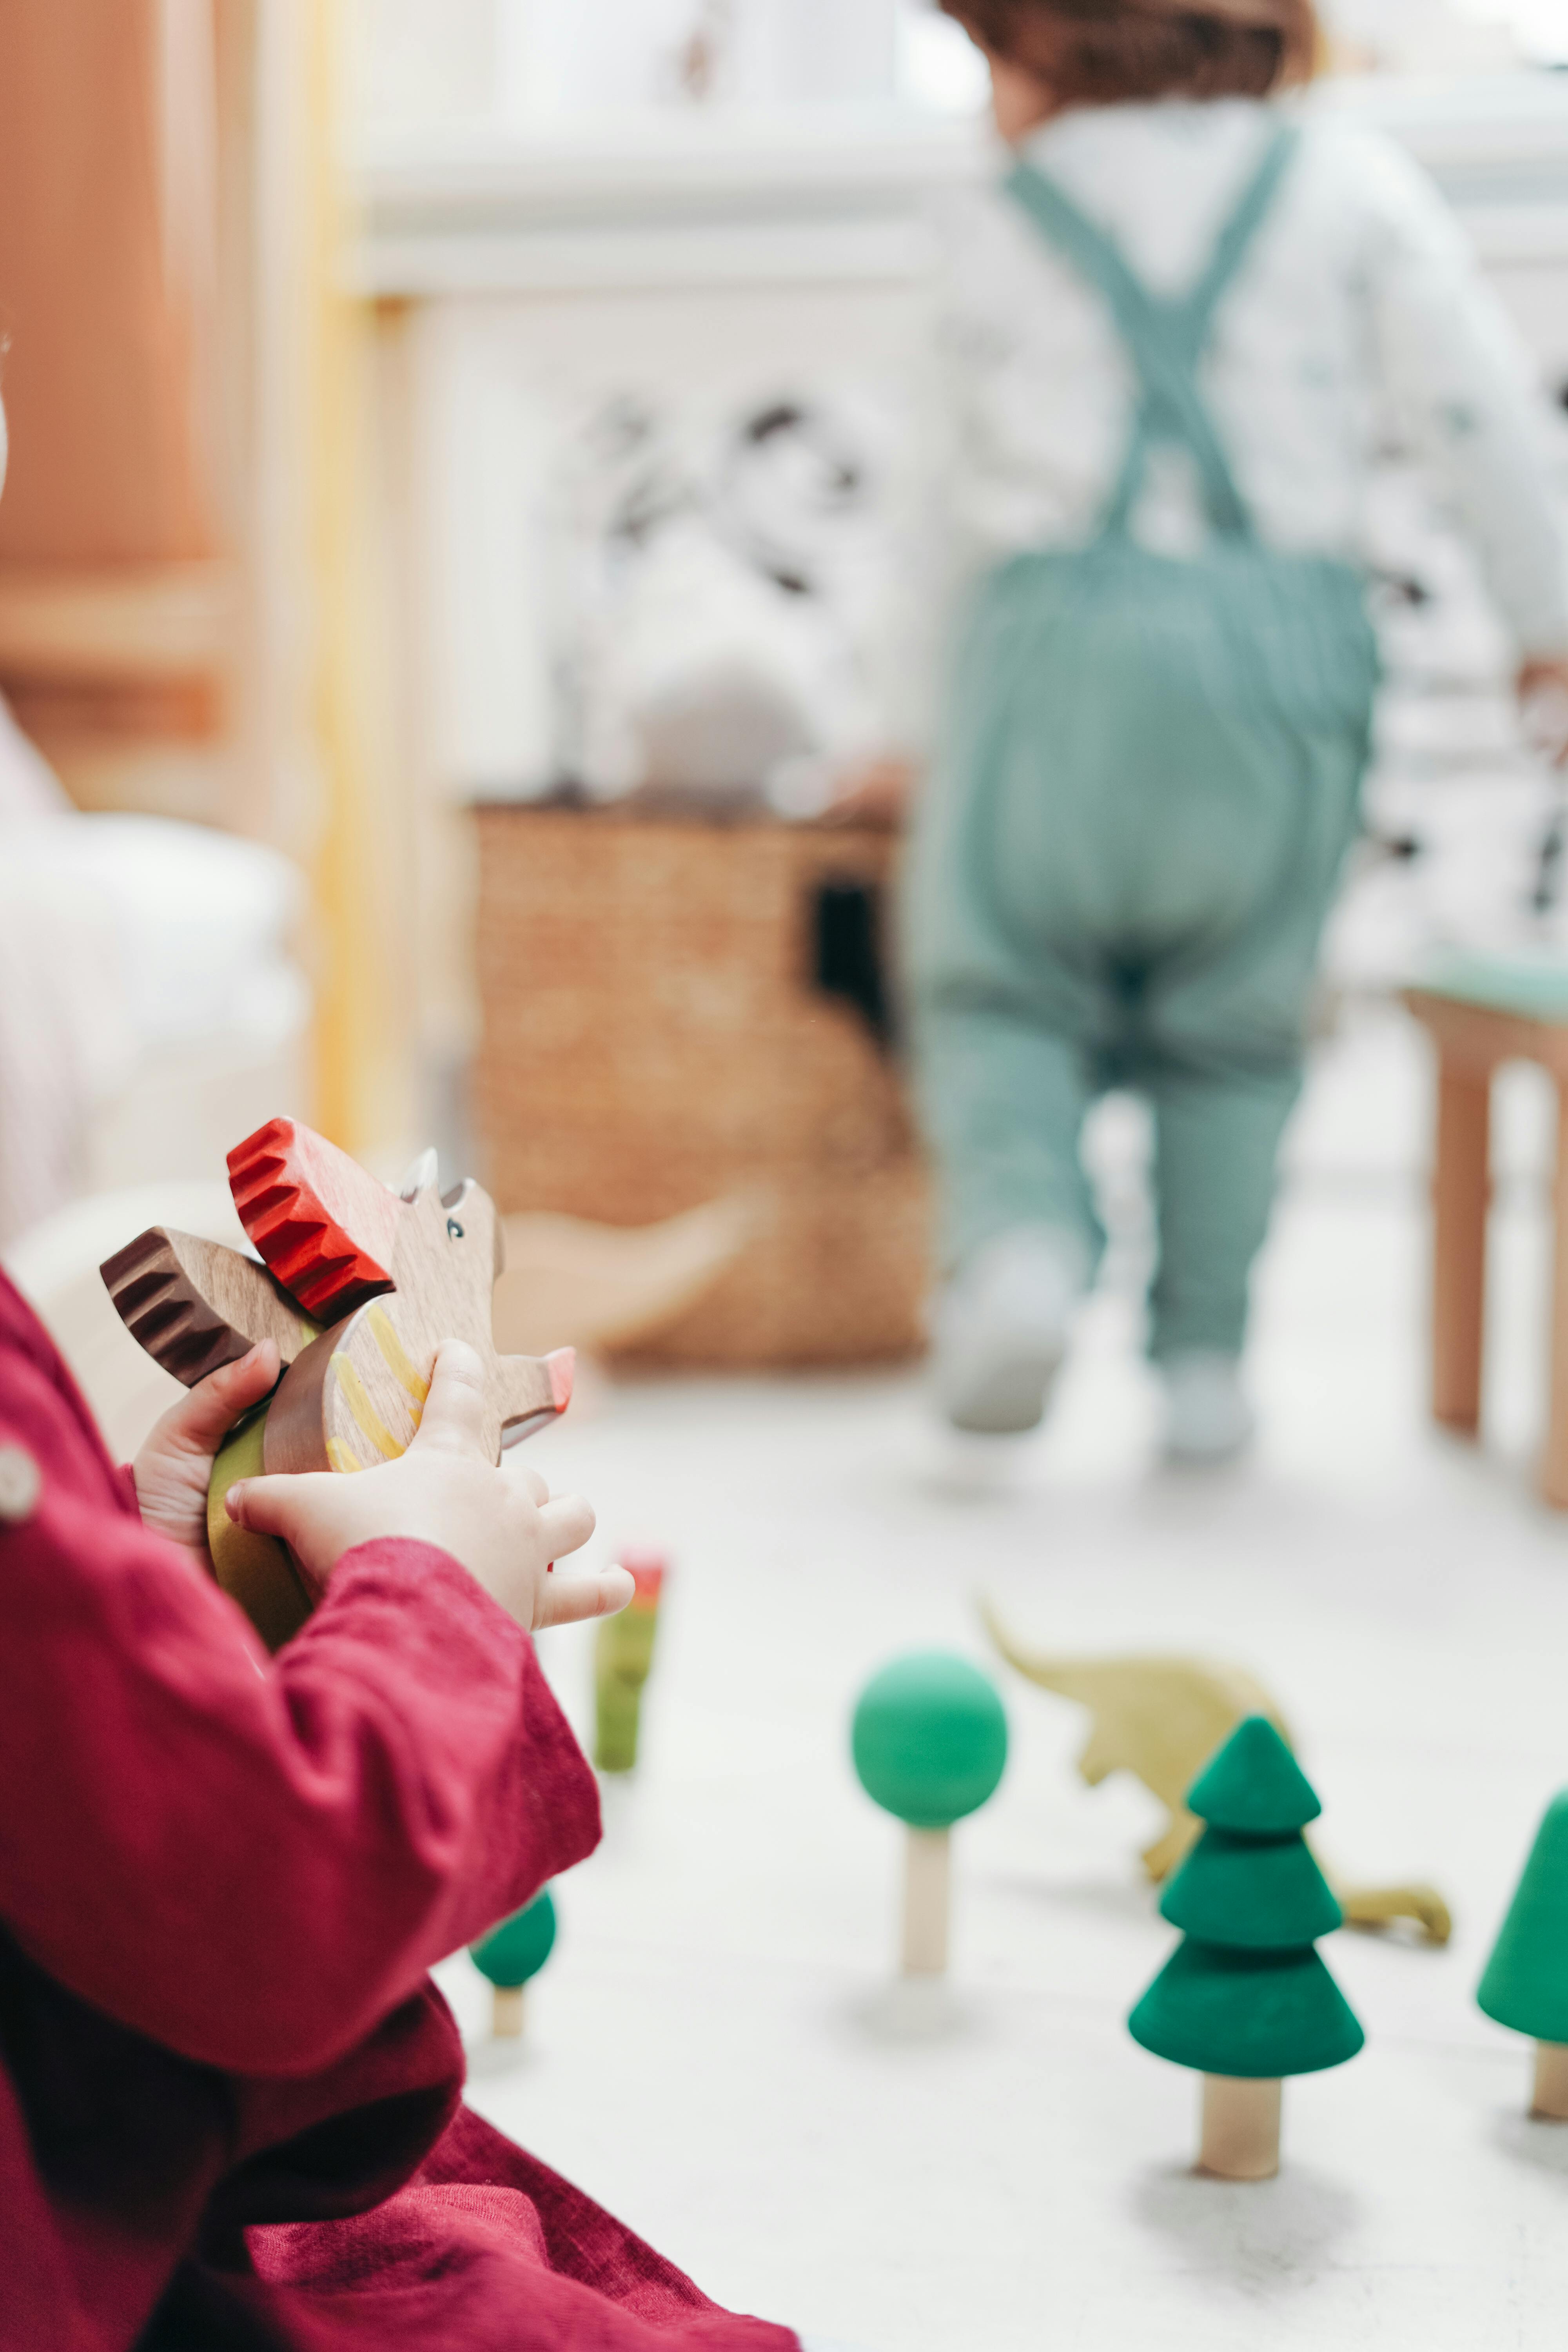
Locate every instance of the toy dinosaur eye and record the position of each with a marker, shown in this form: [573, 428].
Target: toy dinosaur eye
[453, 1229]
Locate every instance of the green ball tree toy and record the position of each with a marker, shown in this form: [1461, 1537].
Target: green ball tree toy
[1526, 1981]
[1244, 1999]
[513, 1953]
[929, 1744]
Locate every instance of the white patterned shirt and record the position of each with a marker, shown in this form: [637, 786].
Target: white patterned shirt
[1357, 304]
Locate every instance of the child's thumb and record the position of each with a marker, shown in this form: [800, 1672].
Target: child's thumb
[269, 1506]
[214, 1404]
[453, 1420]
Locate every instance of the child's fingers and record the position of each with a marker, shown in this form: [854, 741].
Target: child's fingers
[274, 1506]
[201, 1421]
[567, 1523]
[566, 1600]
[454, 1414]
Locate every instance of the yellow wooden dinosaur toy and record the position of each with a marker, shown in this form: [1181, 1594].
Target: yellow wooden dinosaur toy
[1161, 1718]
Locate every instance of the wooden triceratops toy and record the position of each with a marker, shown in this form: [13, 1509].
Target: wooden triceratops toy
[358, 1285]
[1161, 1719]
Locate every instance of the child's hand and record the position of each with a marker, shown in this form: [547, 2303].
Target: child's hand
[445, 1491]
[173, 1469]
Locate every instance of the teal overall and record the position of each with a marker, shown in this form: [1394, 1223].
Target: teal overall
[1149, 776]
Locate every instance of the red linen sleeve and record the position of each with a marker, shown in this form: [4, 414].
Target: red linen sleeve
[253, 1861]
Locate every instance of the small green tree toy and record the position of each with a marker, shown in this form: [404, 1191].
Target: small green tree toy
[513, 1953]
[929, 1744]
[622, 1660]
[1244, 1999]
[1526, 1981]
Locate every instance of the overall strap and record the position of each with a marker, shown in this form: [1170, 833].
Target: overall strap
[1164, 339]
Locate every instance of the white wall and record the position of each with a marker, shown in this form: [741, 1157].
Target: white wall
[435, 62]
[526, 62]
[417, 63]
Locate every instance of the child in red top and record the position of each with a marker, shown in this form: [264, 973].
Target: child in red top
[230, 2104]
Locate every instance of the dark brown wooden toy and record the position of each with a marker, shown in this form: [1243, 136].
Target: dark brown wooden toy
[390, 1275]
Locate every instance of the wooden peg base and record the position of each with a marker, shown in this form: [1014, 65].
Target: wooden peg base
[1550, 2100]
[927, 1873]
[506, 2013]
[1240, 2137]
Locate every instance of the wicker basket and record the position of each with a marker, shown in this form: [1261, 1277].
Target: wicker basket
[654, 1036]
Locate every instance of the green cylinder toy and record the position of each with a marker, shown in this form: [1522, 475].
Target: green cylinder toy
[623, 1658]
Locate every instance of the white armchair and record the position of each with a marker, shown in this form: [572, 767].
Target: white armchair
[150, 1007]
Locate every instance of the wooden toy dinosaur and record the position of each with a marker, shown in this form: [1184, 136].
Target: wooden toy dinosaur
[1161, 1719]
[359, 1286]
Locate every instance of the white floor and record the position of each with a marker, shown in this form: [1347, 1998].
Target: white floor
[712, 2049]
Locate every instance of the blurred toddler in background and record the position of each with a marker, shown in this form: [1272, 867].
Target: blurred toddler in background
[1170, 328]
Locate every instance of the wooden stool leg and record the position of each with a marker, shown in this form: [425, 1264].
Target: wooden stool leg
[1554, 1459]
[1460, 1193]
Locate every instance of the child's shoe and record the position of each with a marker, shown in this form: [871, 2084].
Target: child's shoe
[1207, 1417]
[999, 1328]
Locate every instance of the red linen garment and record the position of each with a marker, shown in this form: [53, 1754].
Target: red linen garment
[229, 2096]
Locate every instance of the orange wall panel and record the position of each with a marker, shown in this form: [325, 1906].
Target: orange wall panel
[99, 118]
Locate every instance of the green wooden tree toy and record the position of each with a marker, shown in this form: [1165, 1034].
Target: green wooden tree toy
[1244, 2000]
[623, 1659]
[510, 1955]
[930, 1744]
[1526, 1981]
